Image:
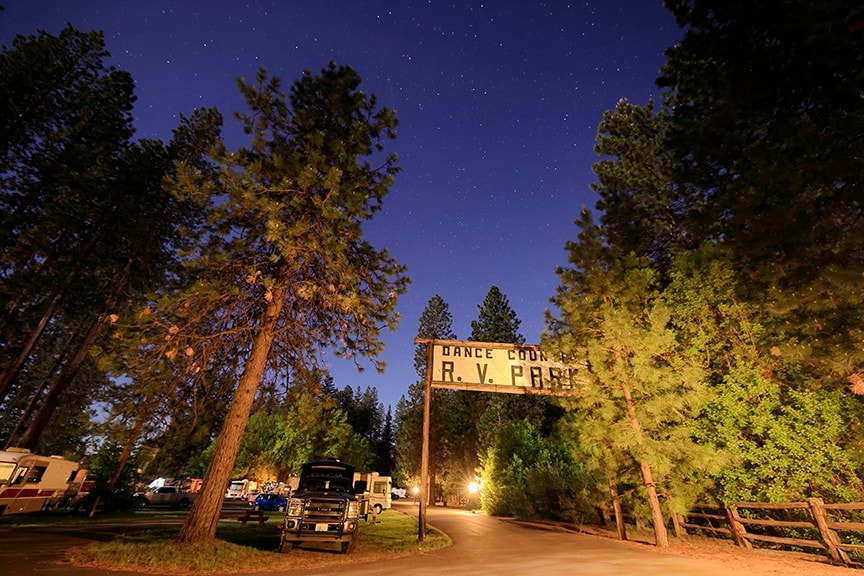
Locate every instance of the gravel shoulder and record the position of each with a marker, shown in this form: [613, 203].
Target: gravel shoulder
[755, 561]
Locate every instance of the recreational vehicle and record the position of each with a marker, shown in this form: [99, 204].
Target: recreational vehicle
[29, 482]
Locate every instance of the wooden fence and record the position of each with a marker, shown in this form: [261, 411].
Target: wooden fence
[828, 528]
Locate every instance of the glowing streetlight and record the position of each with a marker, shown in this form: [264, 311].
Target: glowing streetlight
[473, 490]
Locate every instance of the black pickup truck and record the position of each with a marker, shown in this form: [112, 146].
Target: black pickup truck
[325, 507]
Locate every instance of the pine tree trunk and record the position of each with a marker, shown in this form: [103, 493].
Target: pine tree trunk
[128, 444]
[11, 371]
[200, 525]
[7, 376]
[13, 305]
[43, 416]
[431, 497]
[26, 415]
[123, 457]
[661, 538]
[619, 511]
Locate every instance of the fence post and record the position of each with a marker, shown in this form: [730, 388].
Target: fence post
[737, 527]
[676, 523]
[619, 513]
[604, 515]
[817, 509]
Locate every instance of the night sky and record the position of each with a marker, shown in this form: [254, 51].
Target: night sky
[498, 104]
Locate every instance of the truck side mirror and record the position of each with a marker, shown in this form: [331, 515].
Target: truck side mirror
[360, 486]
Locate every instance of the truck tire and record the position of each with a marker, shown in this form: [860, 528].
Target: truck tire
[285, 546]
[348, 547]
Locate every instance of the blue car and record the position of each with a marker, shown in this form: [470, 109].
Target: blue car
[269, 502]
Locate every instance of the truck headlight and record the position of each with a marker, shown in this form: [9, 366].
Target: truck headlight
[353, 509]
[294, 507]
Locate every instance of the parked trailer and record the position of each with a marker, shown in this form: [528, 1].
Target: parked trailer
[29, 482]
[239, 489]
[378, 488]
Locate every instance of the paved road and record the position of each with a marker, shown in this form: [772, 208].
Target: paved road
[488, 546]
[35, 550]
[499, 547]
[481, 546]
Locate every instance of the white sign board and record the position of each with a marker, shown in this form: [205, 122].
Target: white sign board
[494, 367]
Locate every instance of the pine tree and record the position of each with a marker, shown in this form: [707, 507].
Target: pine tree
[66, 119]
[765, 125]
[641, 206]
[790, 442]
[88, 228]
[633, 413]
[365, 415]
[386, 446]
[489, 414]
[479, 418]
[437, 323]
[283, 270]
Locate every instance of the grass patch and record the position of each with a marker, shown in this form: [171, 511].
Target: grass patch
[239, 548]
[66, 517]
[397, 532]
[156, 553]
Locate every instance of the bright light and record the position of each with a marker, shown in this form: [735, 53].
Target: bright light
[473, 487]
[415, 490]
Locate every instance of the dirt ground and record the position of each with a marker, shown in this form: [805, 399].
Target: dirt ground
[759, 561]
[297, 560]
[755, 562]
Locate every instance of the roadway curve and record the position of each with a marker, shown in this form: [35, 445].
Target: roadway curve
[482, 545]
[488, 546]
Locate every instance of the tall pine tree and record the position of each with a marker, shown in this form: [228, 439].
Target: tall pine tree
[435, 322]
[633, 414]
[284, 271]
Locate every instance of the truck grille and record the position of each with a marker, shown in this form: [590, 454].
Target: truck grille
[324, 510]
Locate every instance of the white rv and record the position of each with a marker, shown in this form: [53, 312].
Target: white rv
[378, 488]
[29, 482]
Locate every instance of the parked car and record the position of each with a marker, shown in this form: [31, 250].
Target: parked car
[166, 496]
[269, 502]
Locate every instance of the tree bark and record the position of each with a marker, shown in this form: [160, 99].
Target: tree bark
[131, 438]
[11, 371]
[26, 415]
[7, 376]
[40, 421]
[619, 512]
[661, 538]
[200, 525]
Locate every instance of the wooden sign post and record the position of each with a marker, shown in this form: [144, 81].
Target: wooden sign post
[424, 454]
[486, 367]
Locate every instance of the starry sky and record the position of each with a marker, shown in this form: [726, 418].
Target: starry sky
[498, 104]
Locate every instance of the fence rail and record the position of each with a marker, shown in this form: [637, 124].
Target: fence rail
[810, 524]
